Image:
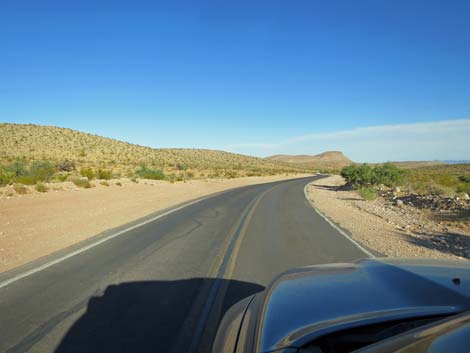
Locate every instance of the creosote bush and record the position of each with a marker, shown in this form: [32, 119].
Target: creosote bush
[104, 174]
[40, 187]
[87, 172]
[148, 173]
[368, 193]
[364, 175]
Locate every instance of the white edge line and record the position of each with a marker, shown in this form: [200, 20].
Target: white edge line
[367, 252]
[98, 242]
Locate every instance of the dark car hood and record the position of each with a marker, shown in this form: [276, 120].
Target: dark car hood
[306, 303]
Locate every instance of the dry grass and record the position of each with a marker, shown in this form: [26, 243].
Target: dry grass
[77, 150]
[445, 179]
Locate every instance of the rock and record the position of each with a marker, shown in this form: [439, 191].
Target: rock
[466, 197]
[398, 202]
[396, 189]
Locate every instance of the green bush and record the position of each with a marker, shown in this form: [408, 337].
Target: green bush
[40, 187]
[464, 179]
[104, 174]
[87, 172]
[464, 188]
[27, 179]
[6, 177]
[358, 175]
[364, 175]
[387, 174]
[368, 193]
[42, 170]
[17, 168]
[61, 176]
[148, 173]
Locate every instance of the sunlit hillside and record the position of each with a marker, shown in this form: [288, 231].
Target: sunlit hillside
[55, 144]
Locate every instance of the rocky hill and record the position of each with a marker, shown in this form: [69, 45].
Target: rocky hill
[325, 160]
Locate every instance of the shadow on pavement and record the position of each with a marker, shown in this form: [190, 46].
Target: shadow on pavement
[154, 316]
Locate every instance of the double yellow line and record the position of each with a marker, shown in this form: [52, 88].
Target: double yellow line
[224, 264]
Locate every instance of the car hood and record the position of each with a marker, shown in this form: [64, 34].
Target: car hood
[306, 303]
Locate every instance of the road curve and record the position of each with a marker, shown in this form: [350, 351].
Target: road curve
[163, 286]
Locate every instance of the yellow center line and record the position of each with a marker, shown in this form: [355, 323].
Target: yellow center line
[242, 226]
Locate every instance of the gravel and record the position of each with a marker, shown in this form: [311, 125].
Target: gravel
[392, 227]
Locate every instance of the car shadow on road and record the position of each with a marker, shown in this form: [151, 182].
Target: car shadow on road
[154, 316]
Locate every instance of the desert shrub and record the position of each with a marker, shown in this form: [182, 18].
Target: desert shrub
[464, 188]
[66, 165]
[190, 175]
[104, 183]
[104, 174]
[148, 173]
[42, 170]
[358, 175]
[134, 180]
[60, 176]
[464, 179]
[27, 179]
[17, 167]
[6, 177]
[20, 189]
[40, 187]
[431, 189]
[80, 182]
[180, 166]
[364, 175]
[230, 174]
[119, 183]
[387, 174]
[368, 193]
[87, 172]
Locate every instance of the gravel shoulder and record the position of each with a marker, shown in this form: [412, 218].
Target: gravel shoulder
[37, 224]
[403, 231]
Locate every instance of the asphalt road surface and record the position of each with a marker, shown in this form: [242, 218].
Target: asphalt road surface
[164, 286]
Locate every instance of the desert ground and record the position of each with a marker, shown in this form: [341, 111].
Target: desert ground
[403, 231]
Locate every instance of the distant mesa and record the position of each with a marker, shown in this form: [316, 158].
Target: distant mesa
[327, 160]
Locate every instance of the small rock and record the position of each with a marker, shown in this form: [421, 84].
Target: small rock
[398, 202]
[396, 189]
[466, 197]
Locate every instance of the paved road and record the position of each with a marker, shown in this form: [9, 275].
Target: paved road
[164, 286]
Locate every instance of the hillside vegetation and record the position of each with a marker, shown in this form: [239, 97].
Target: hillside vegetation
[31, 153]
[439, 180]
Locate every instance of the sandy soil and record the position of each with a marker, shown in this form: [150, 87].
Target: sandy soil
[37, 224]
[394, 231]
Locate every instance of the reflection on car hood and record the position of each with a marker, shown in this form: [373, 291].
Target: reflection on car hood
[305, 303]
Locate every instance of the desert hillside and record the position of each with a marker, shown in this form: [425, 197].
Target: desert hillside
[325, 160]
[48, 143]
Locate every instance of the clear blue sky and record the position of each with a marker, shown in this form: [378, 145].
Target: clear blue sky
[255, 77]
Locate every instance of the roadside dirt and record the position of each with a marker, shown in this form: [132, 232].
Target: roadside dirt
[398, 231]
[37, 224]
